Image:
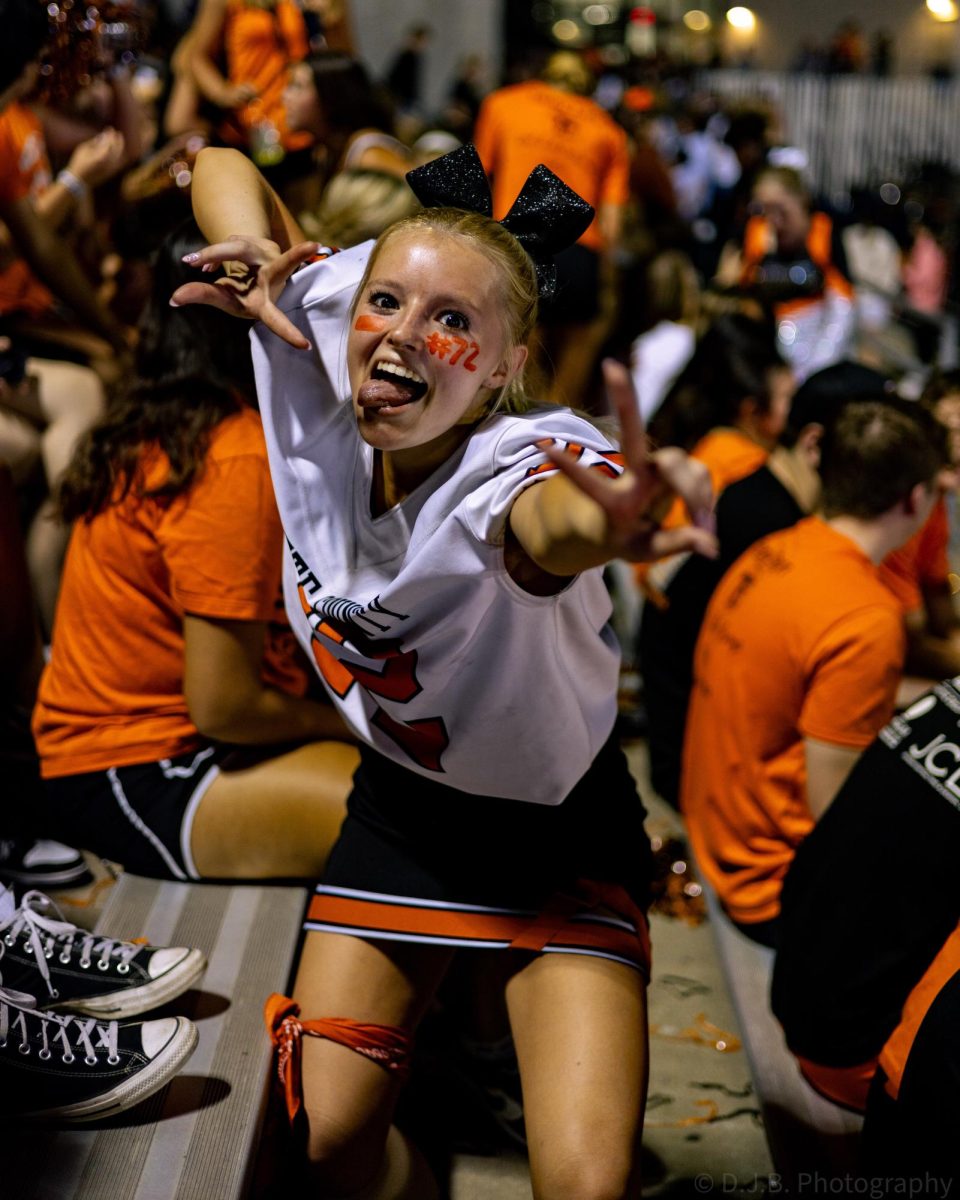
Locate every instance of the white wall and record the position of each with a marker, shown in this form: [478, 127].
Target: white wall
[460, 27]
[783, 25]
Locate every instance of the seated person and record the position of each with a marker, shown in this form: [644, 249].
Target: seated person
[799, 658]
[867, 976]
[729, 405]
[918, 573]
[170, 648]
[775, 496]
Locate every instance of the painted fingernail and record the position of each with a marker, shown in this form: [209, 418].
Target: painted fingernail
[174, 303]
[189, 258]
[208, 267]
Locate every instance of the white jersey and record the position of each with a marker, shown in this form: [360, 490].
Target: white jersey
[435, 657]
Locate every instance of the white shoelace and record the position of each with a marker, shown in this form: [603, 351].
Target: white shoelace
[16, 1018]
[44, 935]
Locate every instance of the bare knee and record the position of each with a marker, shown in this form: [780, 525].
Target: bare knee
[341, 1162]
[597, 1174]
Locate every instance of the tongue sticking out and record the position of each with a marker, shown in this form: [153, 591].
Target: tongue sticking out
[388, 393]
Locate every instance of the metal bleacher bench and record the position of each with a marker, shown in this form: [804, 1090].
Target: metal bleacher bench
[805, 1131]
[197, 1138]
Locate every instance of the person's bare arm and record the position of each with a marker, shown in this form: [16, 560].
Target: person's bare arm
[933, 636]
[581, 519]
[56, 265]
[227, 700]
[828, 766]
[248, 224]
[127, 116]
[199, 49]
[610, 217]
[231, 197]
[92, 162]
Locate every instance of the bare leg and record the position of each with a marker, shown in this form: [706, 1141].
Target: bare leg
[19, 444]
[69, 399]
[46, 544]
[580, 1029]
[352, 1149]
[276, 818]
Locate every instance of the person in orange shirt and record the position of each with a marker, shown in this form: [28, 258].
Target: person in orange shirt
[729, 405]
[170, 650]
[37, 268]
[775, 496]
[553, 120]
[799, 657]
[257, 43]
[918, 573]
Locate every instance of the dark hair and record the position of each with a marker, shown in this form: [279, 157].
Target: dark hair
[348, 99]
[875, 453]
[732, 363]
[667, 286]
[25, 30]
[820, 398]
[940, 384]
[193, 369]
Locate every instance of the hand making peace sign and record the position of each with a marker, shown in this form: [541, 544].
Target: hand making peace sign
[636, 501]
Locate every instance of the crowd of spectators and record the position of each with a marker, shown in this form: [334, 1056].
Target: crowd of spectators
[806, 352]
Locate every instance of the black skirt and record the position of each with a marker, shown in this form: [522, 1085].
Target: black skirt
[420, 861]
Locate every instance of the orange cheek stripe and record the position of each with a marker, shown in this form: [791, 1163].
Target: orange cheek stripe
[366, 324]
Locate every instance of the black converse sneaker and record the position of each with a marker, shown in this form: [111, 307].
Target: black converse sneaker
[69, 1068]
[68, 967]
[42, 864]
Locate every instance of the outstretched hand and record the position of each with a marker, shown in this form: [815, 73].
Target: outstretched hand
[257, 272]
[635, 502]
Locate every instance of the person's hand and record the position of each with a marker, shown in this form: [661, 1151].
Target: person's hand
[635, 502]
[257, 272]
[99, 157]
[237, 95]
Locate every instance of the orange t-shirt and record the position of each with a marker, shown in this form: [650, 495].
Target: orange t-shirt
[24, 172]
[920, 562]
[112, 693]
[800, 640]
[729, 456]
[530, 123]
[260, 45]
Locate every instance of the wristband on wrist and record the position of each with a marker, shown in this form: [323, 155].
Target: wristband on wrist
[73, 183]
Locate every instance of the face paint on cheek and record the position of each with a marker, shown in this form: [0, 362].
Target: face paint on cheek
[368, 324]
[440, 346]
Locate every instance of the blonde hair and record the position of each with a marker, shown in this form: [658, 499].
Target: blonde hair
[515, 271]
[568, 71]
[356, 205]
[790, 179]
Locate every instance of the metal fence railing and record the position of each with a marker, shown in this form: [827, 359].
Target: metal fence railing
[855, 130]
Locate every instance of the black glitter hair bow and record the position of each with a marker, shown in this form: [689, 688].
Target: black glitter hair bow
[545, 218]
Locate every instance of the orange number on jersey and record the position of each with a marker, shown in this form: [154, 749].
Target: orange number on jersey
[423, 740]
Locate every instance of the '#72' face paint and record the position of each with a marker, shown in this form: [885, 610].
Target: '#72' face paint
[441, 344]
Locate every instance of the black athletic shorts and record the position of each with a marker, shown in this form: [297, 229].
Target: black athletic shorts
[140, 816]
